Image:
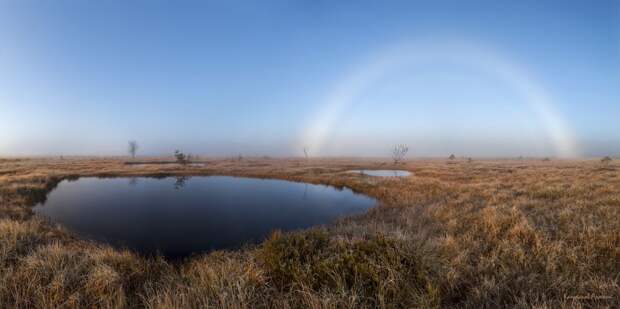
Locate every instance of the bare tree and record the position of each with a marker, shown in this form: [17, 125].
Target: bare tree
[133, 148]
[452, 157]
[399, 152]
[306, 152]
[181, 157]
[606, 160]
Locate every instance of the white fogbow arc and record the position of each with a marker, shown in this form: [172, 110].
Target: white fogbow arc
[535, 96]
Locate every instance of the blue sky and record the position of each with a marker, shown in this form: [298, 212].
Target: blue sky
[259, 77]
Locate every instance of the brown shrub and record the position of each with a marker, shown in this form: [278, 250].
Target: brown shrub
[379, 270]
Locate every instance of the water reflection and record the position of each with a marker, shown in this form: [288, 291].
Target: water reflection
[180, 182]
[305, 192]
[383, 173]
[178, 216]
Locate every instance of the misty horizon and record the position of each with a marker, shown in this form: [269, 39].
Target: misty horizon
[435, 150]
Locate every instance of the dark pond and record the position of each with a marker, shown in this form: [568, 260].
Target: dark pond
[180, 216]
[383, 173]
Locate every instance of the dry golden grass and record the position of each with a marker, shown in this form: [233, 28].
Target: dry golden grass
[522, 233]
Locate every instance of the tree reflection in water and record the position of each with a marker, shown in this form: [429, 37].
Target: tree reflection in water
[180, 182]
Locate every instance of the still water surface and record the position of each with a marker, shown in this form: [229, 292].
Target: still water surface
[181, 216]
[383, 173]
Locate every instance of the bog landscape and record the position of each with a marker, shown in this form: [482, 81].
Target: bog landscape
[454, 233]
[309, 154]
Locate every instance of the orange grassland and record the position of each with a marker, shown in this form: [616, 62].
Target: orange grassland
[487, 233]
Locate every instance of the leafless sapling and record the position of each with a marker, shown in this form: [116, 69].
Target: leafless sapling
[399, 152]
[133, 148]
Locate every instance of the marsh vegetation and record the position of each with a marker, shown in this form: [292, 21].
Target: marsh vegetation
[526, 233]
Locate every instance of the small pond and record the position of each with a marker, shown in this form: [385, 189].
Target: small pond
[177, 217]
[383, 173]
[174, 164]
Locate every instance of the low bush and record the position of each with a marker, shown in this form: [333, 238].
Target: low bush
[379, 270]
